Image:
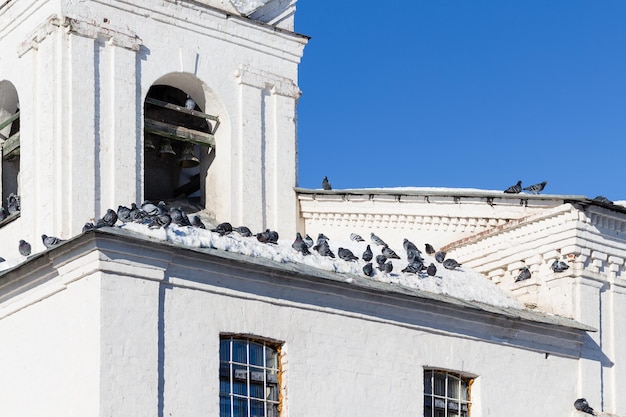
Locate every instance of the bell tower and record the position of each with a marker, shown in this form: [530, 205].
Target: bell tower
[109, 103]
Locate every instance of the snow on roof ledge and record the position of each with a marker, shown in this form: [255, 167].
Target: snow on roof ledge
[438, 191]
[460, 288]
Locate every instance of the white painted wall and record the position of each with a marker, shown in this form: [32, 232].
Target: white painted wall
[128, 332]
[82, 71]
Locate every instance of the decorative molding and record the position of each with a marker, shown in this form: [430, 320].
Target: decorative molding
[114, 36]
[254, 77]
[390, 220]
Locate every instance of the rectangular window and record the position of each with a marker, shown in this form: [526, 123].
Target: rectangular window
[446, 394]
[249, 371]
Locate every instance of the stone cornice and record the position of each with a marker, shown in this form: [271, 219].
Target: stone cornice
[125, 254]
[207, 20]
[460, 212]
[114, 36]
[257, 78]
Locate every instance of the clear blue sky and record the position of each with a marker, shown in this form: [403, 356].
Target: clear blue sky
[470, 94]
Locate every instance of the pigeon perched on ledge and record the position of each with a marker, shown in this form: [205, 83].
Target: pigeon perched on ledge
[514, 189]
[346, 254]
[300, 245]
[451, 264]
[367, 254]
[13, 203]
[24, 248]
[582, 405]
[559, 266]
[524, 274]
[50, 241]
[326, 184]
[243, 231]
[356, 237]
[440, 256]
[376, 240]
[536, 188]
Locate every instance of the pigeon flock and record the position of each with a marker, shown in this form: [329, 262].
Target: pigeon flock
[371, 259]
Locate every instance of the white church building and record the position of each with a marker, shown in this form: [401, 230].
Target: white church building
[193, 102]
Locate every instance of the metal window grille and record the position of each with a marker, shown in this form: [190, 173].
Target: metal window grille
[249, 378]
[446, 394]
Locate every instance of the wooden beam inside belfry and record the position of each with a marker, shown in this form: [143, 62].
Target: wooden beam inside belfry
[171, 106]
[11, 146]
[179, 133]
[9, 120]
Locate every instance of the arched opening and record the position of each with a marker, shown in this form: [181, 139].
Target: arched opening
[10, 143]
[179, 145]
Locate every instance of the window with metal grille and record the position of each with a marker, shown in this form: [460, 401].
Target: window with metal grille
[249, 377]
[446, 394]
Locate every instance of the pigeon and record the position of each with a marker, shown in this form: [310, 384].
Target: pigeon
[323, 248]
[3, 213]
[326, 184]
[602, 199]
[368, 269]
[414, 255]
[431, 270]
[451, 264]
[387, 267]
[13, 204]
[559, 266]
[268, 236]
[582, 405]
[137, 215]
[88, 226]
[380, 260]
[109, 219]
[440, 256]
[429, 249]
[151, 209]
[389, 253]
[24, 248]
[196, 221]
[322, 238]
[367, 254]
[179, 216]
[536, 188]
[50, 241]
[263, 237]
[223, 229]
[300, 245]
[376, 240]
[308, 240]
[123, 214]
[190, 104]
[514, 189]
[356, 237]
[159, 221]
[407, 244]
[414, 267]
[243, 231]
[273, 236]
[346, 254]
[524, 274]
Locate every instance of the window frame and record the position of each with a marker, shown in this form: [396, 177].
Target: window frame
[262, 381]
[438, 404]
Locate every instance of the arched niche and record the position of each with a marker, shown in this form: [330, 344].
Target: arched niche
[9, 140]
[169, 176]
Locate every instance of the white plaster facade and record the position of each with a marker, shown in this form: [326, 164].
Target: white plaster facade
[82, 69]
[115, 324]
